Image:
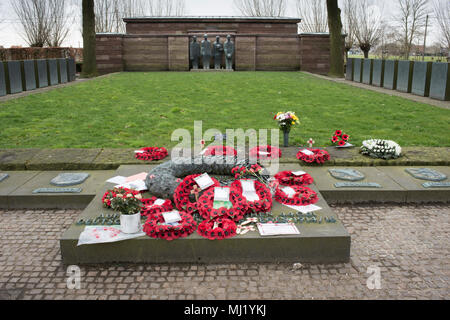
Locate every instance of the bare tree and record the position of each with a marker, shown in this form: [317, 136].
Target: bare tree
[442, 16]
[34, 18]
[411, 20]
[348, 25]
[368, 25]
[59, 22]
[166, 7]
[261, 8]
[313, 14]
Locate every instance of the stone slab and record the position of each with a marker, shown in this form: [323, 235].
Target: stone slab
[29, 74]
[440, 81]
[42, 73]
[68, 179]
[2, 80]
[13, 77]
[357, 70]
[24, 198]
[390, 74]
[109, 159]
[378, 73]
[367, 71]
[416, 192]
[404, 76]
[16, 159]
[71, 70]
[317, 243]
[390, 191]
[63, 159]
[421, 78]
[349, 70]
[52, 71]
[15, 180]
[62, 71]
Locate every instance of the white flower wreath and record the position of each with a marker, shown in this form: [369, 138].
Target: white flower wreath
[383, 149]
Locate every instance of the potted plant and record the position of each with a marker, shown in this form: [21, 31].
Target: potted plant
[129, 205]
[286, 120]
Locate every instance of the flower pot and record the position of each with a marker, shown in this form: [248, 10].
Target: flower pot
[286, 139]
[130, 223]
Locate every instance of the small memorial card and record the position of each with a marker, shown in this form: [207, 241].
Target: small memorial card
[299, 173]
[222, 198]
[172, 217]
[289, 191]
[138, 185]
[140, 176]
[248, 190]
[204, 181]
[159, 202]
[305, 209]
[139, 151]
[264, 153]
[277, 229]
[117, 180]
[307, 152]
[346, 145]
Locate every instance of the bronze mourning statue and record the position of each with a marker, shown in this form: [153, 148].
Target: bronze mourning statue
[218, 53]
[206, 52]
[229, 53]
[194, 52]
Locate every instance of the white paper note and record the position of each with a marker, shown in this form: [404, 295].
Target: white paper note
[159, 202]
[137, 185]
[264, 153]
[204, 181]
[172, 216]
[289, 191]
[305, 209]
[100, 234]
[117, 180]
[248, 190]
[307, 152]
[299, 173]
[277, 229]
[139, 151]
[221, 194]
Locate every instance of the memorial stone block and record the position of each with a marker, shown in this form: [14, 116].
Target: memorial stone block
[378, 73]
[71, 69]
[426, 174]
[347, 174]
[42, 74]
[357, 70]
[69, 179]
[367, 71]
[421, 78]
[440, 81]
[62, 70]
[390, 74]
[404, 76]
[14, 77]
[52, 72]
[29, 75]
[2, 80]
[349, 70]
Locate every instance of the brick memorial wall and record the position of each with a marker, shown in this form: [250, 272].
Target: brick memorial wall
[261, 44]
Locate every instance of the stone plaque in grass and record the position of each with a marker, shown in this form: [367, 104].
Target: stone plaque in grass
[62, 70]
[42, 73]
[357, 70]
[404, 76]
[53, 72]
[349, 69]
[68, 179]
[378, 73]
[71, 69]
[440, 81]
[14, 77]
[421, 78]
[367, 71]
[390, 74]
[2, 80]
[29, 75]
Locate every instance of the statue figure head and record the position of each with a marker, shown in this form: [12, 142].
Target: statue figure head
[229, 37]
[217, 38]
[194, 38]
[206, 36]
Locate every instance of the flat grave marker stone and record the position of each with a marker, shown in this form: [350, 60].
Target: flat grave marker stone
[14, 77]
[404, 76]
[357, 185]
[347, 174]
[426, 174]
[58, 190]
[440, 81]
[421, 78]
[69, 179]
[42, 73]
[378, 72]
[29, 74]
[52, 72]
[390, 74]
[2, 80]
[3, 176]
[436, 185]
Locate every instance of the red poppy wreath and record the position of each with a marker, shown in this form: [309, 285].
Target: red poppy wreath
[287, 178]
[303, 196]
[155, 227]
[220, 151]
[217, 229]
[265, 153]
[318, 156]
[150, 208]
[236, 212]
[264, 204]
[152, 154]
[186, 188]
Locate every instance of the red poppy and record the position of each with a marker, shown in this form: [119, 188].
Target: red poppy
[335, 139]
[152, 154]
[342, 143]
[345, 137]
[338, 133]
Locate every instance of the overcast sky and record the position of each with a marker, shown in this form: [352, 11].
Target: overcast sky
[10, 30]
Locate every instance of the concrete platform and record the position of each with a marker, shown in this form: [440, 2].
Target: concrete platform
[16, 192]
[317, 243]
[390, 190]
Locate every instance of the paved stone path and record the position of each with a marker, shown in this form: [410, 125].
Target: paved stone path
[409, 244]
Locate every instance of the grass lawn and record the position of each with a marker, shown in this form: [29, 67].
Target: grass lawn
[143, 109]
